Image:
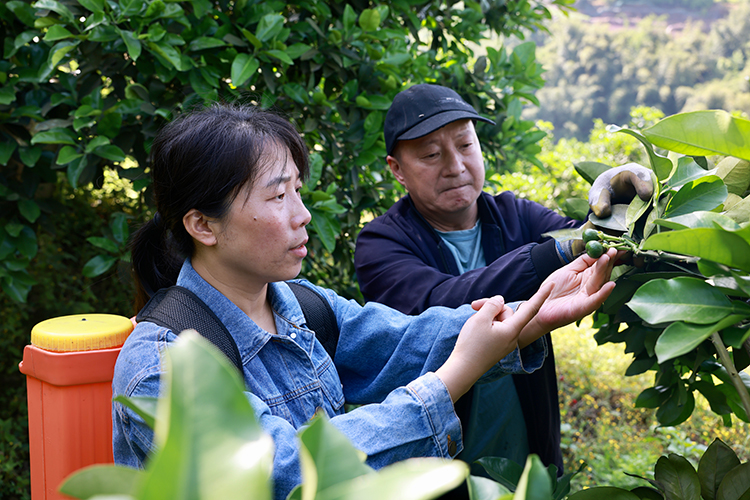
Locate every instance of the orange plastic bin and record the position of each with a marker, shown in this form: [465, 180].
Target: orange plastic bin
[69, 367]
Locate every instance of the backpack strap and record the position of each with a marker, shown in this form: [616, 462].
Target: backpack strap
[319, 316]
[179, 309]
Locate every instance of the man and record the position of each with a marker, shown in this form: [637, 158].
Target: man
[447, 243]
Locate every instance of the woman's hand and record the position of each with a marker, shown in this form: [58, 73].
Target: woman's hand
[580, 288]
[486, 338]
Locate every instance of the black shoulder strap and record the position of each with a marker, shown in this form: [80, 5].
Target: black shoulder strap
[179, 309]
[319, 316]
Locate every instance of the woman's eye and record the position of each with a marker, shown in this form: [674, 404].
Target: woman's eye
[280, 196]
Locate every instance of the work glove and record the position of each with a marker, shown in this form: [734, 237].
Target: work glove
[619, 185]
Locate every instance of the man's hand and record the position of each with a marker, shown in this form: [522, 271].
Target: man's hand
[619, 185]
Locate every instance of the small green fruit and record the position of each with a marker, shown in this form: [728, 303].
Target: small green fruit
[590, 235]
[594, 249]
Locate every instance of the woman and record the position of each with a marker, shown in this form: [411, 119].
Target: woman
[231, 228]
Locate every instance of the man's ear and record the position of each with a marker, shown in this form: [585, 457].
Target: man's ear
[200, 227]
[396, 169]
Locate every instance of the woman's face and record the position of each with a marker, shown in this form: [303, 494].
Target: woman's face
[263, 237]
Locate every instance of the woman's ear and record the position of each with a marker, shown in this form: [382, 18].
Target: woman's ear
[200, 227]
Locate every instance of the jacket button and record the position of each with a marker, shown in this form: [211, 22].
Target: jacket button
[451, 446]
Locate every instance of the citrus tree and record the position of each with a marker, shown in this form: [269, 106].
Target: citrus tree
[681, 307]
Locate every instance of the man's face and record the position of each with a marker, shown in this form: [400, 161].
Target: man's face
[443, 172]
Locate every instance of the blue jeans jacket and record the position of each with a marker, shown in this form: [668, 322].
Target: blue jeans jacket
[383, 357]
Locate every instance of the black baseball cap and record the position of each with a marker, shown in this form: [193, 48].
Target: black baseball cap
[421, 110]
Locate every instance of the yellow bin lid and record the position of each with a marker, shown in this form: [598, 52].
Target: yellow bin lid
[81, 332]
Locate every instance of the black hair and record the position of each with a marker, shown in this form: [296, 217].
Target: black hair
[201, 161]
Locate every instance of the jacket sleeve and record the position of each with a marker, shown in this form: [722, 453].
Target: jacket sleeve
[381, 348]
[396, 266]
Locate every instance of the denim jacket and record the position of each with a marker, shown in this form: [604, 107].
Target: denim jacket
[383, 357]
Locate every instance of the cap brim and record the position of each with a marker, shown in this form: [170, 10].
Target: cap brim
[439, 121]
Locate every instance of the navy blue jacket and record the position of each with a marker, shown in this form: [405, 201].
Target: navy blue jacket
[402, 262]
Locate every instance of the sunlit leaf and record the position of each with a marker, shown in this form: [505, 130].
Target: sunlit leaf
[714, 244]
[661, 165]
[702, 133]
[98, 265]
[680, 299]
[227, 455]
[705, 193]
[735, 173]
[699, 219]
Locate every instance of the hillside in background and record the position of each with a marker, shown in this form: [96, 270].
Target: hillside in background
[609, 57]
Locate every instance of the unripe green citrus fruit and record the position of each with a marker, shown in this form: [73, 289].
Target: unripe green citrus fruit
[590, 235]
[594, 249]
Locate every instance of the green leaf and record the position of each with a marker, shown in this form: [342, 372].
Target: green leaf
[6, 151]
[110, 152]
[680, 338]
[369, 20]
[636, 209]
[603, 493]
[735, 173]
[503, 470]
[56, 32]
[333, 457]
[414, 479]
[227, 455]
[662, 166]
[350, 17]
[67, 154]
[57, 53]
[54, 136]
[481, 488]
[677, 477]
[677, 408]
[269, 26]
[103, 243]
[702, 133]
[132, 43]
[718, 245]
[169, 53]
[705, 193]
[29, 156]
[119, 227]
[699, 219]
[680, 299]
[100, 480]
[280, 55]
[244, 66]
[577, 208]
[15, 289]
[95, 143]
[715, 463]
[97, 265]
[204, 42]
[93, 5]
[535, 483]
[55, 7]
[616, 222]
[687, 170]
[29, 210]
[653, 397]
[296, 91]
[75, 169]
[26, 242]
[316, 169]
[736, 484]
[590, 170]
[326, 226]
[143, 406]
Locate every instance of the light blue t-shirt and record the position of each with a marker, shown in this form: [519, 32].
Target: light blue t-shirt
[496, 427]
